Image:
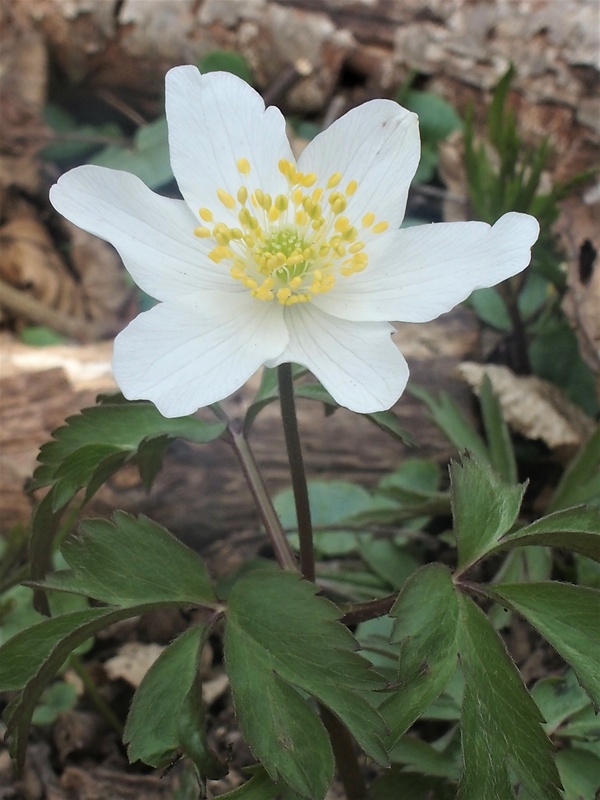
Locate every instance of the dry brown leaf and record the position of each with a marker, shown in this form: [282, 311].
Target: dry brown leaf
[23, 80]
[29, 262]
[533, 407]
[99, 267]
[132, 662]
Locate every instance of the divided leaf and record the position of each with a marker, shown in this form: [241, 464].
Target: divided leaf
[484, 508]
[166, 715]
[99, 434]
[30, 660]
[568, 617]
[576, 529]
[426, 614]
[282, 641]
[501, 724]
[131, 561]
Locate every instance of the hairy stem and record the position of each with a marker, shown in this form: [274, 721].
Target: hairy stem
[298, 475]
[283, 552]
[342, 743]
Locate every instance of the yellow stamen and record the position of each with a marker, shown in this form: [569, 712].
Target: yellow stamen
[243, 165]
[227, 200]
[381, 227]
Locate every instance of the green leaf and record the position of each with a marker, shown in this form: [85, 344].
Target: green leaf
[131, 561]
[387, 560]
[100, 433]
[163, 717]
[415, 481]
[226, 61]
[426, 614]
[397, 784]
[388, 422]
[574, 529]
[331, 503]
[437, 118]
[491, 308]
[502, 454]
[58, 698]
[30, 660]
[580, 482]
[501, 724]
[558, 698]
[568, 617]
[281, 638]
[419, 756]
[484, 508]
[448, 416]
[147, 157]
[580, 773]
[555, 355]
[40, 336]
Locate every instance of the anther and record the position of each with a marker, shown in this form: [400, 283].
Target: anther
[227, 200]
[381, 227]
[243, 165]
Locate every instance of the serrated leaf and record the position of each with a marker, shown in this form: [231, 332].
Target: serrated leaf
[568, 617]
[104, 430]
[280, 638]
[30, 660]
[574, 529]
[484, 508]
[22, 655]
[501, 724]
[426, 614]
[131, 561]
[166, 715]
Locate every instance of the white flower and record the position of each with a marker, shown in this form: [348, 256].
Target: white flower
[266, 260]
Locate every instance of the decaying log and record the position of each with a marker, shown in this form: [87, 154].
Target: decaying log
[200, 493]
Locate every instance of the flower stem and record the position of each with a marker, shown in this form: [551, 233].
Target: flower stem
[298, 475]
[341, 741]
[281, 547]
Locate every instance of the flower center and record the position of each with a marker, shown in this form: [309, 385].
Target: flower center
[293, 246]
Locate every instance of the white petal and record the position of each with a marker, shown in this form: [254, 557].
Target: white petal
[154, 235]
[359, 365]
[430, 268]
[182, 361]
[376, 144]
[214, 120]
